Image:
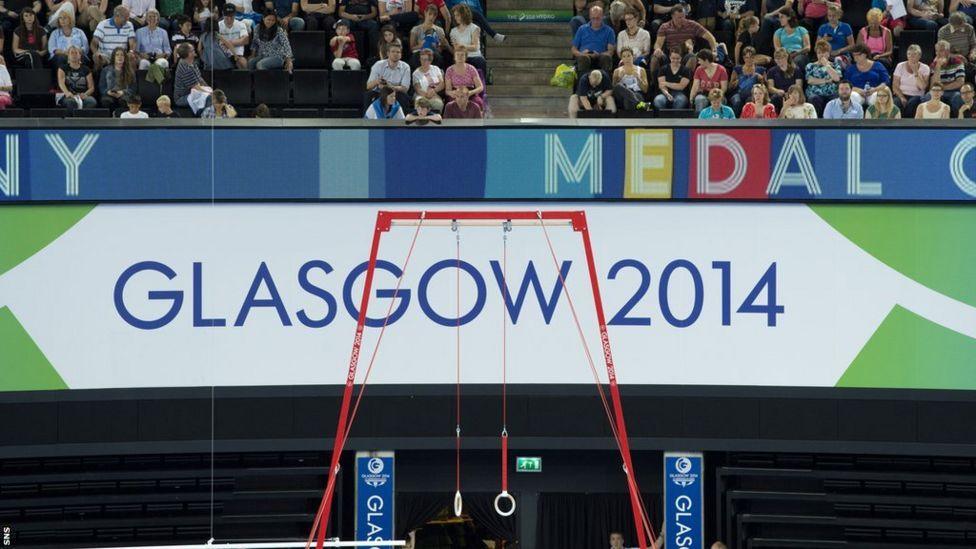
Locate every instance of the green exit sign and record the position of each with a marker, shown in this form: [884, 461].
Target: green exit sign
[528, 464]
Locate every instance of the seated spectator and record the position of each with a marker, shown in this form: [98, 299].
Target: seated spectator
[950, 71]
[911, 81]
[187, 77]
[814, 12]
[152, 43]
[466, 35]
[232, 36]
[770, 22]
[960, 36]
[744, 78]
[213, 54]
[183, 34]
[462, 106]
[244, 11]
[966, 7]
[75, 83]
[134, 103]
[822, 77]
[428, 81]
[884, 106]
[865, 75]
[594, 43]
[933, 108]
[271, 49]
[402, 14]
[117, 81]
[362, 15]
[287, 11]
[343, 44]
[429, 36]
[672, 82]
[795, 106]
[716, 110]
[843, 106]
[747, 37]
[319, 15]
[618, 10]
[115, 32]
[65, 36]
[29, 45]
[392, 73]
[793, 38]
[925, 14]
[680, 32]
[54, 10]
[759, 107]
[164, 108]
[7, 86]
[10, 13]
[967, 110]
[877, 39]
[219, 108]
[630, 85]
[479, 17]
[461, 74]
[443, 12]
[708, 76]
[732, 12]
[262, 111]
[895, 25]
[169, 11]
[138, 9]
[385, 106]
[388, 37]
[422, 114]
[634, 37]
[838, 33]
[203, 11]
[781, 77]
[593, 93]
[661, 12]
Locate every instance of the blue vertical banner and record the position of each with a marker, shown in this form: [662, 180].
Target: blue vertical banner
[683, 501]
[374, 496]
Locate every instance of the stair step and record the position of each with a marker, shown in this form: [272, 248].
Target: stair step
[501, 65]
[553, 40]
[558, 5]
[527, 103]
[560, 53]
[538, 77]
[527, 91]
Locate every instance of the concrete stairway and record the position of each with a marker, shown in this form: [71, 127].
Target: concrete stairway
[524, 63]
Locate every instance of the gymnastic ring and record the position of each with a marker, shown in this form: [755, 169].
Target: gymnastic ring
[458, 504]
[501, 496]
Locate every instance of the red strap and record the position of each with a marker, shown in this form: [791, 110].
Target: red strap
[504, 359]
[504, 462]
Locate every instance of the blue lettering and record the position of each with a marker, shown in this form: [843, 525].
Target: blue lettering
[175, 296]
[696, 278]
[263, 276]
[307, 285]
[198, 320]
[403, 294]
[621, 318]
[479, 282]
[530, 278]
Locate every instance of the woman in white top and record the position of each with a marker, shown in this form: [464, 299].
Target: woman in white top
[910, 81]
[428, 80]
[634, 37]
[934, 107]
[795, 106]
[467, 36]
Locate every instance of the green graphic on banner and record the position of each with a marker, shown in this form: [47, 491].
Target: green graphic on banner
[27, 230]
[908, 351]
[921, 242]
[25, 368]
[530, 16]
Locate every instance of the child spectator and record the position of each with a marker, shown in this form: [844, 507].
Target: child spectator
[164, 108]
[135, 108]
[343, 46]
[388, 37]
[262, 111]
[422, 114]
[219, 108]
[716, 110]
[759, 107]
[183, 34]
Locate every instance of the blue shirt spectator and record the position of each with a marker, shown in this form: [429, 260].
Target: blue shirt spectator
[871, 78]
[595, 40]
[153, 41]
[836, 35]
[724, 112]
[59, 41]
[837, 109]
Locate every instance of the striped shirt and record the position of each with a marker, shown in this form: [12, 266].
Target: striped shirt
[953, 69]
[111, 37]
[187, 76]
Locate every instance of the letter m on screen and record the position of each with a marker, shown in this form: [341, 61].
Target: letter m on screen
[588, 164]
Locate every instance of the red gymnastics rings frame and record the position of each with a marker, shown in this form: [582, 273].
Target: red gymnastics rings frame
[385, 220]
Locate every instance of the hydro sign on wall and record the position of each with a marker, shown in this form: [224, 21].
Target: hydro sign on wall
[374, 496]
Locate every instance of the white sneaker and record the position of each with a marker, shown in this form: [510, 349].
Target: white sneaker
[499, 37]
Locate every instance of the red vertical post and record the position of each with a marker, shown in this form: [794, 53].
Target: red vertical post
[325, 506]
[635, 501]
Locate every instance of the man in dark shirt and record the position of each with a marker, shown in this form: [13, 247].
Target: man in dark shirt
[462, 106]
[363, 15]
[594, 92]
[10, 12]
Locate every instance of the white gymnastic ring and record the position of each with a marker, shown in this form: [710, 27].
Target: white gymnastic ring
[501, 496]
[458, 504]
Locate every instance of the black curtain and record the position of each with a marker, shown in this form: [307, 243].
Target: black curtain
[586, 520]
[481, 507]
[414, 510]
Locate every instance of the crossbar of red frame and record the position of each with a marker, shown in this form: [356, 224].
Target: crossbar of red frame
[384, 221]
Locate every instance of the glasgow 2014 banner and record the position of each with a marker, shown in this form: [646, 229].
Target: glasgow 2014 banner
[488, 163]
[267, 294]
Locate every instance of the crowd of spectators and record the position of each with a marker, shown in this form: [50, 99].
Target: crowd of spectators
[774, 58]
[96, 50]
